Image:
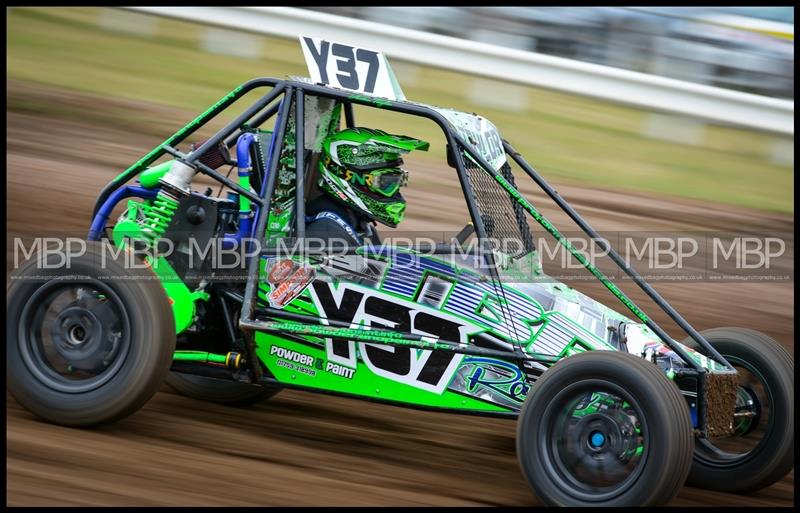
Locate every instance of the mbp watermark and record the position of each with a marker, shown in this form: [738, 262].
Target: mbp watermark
[49, 252]
[662, 252]
[748, 252]
[658, 256]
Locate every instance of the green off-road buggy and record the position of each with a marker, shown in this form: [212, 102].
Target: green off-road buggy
[225, 299]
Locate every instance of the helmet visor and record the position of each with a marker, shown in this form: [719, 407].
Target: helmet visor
[387, 181]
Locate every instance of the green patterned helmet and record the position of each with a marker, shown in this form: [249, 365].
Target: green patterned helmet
[361, 168]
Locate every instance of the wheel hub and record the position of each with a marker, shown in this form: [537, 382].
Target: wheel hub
[747, 411]
[606, 435]
[597, 440]
[81, 339]
[77, 335]
[73, 337]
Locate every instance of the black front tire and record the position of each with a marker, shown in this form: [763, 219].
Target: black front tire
[771, 442]
[219, 391]
[567, 468]
[90, 344]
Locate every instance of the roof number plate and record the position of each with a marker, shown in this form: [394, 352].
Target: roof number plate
[350, 67]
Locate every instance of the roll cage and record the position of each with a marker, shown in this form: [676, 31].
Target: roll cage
[277, 102]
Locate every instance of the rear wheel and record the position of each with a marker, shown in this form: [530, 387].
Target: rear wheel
[604, 428]
[761, 451]
[89, 347]
[219, 390]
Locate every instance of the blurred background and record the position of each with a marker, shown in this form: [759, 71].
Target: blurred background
[91, 90]
[109, 54]
[744, 48]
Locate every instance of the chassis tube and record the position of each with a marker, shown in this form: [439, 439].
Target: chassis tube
[378, 336]
[552, 230]
[244, 168]
[248, 305]
[349, 116]
[200, 357]
[214, 174]
[226, 314]
[604, 245]
[299, 164]
[183, 133]
[104, 212]
[256, 122]
[235, 124]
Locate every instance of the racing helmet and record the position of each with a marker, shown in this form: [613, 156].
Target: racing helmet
[361, 168]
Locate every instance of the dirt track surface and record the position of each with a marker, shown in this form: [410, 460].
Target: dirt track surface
[302, 448]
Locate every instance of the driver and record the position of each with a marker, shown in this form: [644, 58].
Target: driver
[360, 176]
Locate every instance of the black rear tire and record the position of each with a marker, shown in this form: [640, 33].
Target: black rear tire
[565, 457]
[219, 391]
[765, 451]
[90, 344]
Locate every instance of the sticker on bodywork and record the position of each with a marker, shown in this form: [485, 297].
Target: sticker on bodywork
[491, 380]
[287, 279]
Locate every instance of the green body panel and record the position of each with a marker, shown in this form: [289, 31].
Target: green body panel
[309, 367]
[308, 364]
[297, 353]
[181, 298]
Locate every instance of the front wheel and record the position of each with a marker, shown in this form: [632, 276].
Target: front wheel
[89, 344]
[604, 428]
[761, 450]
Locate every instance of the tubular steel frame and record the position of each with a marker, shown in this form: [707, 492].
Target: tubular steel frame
[293, 93]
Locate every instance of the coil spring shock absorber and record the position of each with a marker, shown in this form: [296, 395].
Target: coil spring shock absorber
[158, 217]
[175, 183]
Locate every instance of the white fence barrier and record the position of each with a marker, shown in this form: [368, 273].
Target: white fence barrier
[618, 85]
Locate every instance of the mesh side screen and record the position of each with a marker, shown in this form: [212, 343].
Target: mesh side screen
[503, 217]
